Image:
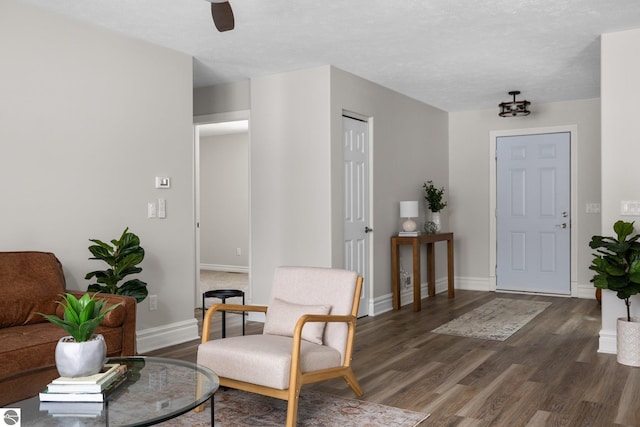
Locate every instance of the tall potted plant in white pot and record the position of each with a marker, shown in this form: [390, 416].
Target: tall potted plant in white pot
[617, 266]
[81, 352]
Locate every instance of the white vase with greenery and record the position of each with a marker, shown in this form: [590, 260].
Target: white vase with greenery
[434, 198]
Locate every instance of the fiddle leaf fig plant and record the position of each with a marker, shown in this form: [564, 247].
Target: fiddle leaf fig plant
[81, 316]
[617, 262]
[122, 256]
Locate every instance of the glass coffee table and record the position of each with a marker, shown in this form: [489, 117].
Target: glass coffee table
[157, 390]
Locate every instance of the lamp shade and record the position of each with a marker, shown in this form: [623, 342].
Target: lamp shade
[409, 209]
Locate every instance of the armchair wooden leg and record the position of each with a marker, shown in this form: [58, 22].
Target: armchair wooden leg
[352, 382]
[292, 408]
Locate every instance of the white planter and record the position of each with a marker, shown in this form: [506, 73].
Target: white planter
[435, 218]
[433, 224]
[628, 341]
[78, 359]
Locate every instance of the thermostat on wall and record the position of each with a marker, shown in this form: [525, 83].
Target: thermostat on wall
[163, 182]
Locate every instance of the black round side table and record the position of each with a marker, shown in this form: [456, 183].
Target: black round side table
[223, 294]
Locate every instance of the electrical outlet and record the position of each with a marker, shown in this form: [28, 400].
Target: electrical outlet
[405, 279]
[153, 302]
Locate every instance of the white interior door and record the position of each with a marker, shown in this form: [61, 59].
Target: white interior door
[533, 217]
[356, 203]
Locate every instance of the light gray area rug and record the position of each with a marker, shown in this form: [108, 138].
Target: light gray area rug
[495, 320]
[235, 408]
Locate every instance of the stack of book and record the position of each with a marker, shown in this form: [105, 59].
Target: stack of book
[93, 388]
[73, 409]
[408, 233]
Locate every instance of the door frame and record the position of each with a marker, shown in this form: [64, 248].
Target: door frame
[493, 135]
[203, 120]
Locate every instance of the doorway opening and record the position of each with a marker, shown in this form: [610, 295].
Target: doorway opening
[221, 160]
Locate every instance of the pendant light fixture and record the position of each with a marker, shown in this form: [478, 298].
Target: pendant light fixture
[514, 108]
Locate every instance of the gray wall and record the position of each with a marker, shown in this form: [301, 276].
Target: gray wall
[222, 98]
[296, 167]
[88, 118]
[290, 182]
[470, 159]
[620, 153]
[409, 147]
[224, 201]
[83, 132]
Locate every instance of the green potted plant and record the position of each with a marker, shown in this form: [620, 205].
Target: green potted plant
[435, 202]
[81, 352]
[617, 267]
[123, 257]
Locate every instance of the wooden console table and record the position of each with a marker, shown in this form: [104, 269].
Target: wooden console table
[415, 242]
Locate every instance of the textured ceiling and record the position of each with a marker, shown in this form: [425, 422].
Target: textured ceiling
[455, 55]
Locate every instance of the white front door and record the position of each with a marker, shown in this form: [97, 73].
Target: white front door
[356, 204]
[533, 217]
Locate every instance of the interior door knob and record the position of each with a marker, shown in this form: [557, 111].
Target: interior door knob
[368, 230]
[563, 225]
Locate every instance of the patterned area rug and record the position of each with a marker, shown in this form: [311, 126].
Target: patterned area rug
[495, 320]
[235, 408]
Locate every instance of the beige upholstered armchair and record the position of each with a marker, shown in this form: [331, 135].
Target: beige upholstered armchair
[308, 337]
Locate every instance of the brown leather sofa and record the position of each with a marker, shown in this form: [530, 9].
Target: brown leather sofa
[31, 283]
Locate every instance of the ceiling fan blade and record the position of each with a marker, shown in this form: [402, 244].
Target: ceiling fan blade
[222, 15]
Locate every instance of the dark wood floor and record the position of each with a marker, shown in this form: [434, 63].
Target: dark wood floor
[547, 374]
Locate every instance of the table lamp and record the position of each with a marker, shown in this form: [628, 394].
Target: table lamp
[409, 209]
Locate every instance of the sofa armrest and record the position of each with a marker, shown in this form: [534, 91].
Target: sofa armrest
[123, 317]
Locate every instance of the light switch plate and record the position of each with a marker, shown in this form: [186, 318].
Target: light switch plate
[592, 208]
[151, 210]
[162, 208]
[630, 207]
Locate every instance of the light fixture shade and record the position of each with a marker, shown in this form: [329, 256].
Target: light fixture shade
[514, 108]
[409, 209]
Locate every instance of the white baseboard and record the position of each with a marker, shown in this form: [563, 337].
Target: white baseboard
[473, 284]
[166, 335]
[607, 343]
[181, 332]
[384, 303]
[380, 305]
[586, 291]
[227, 268]
[582, 290]
[256, 316]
